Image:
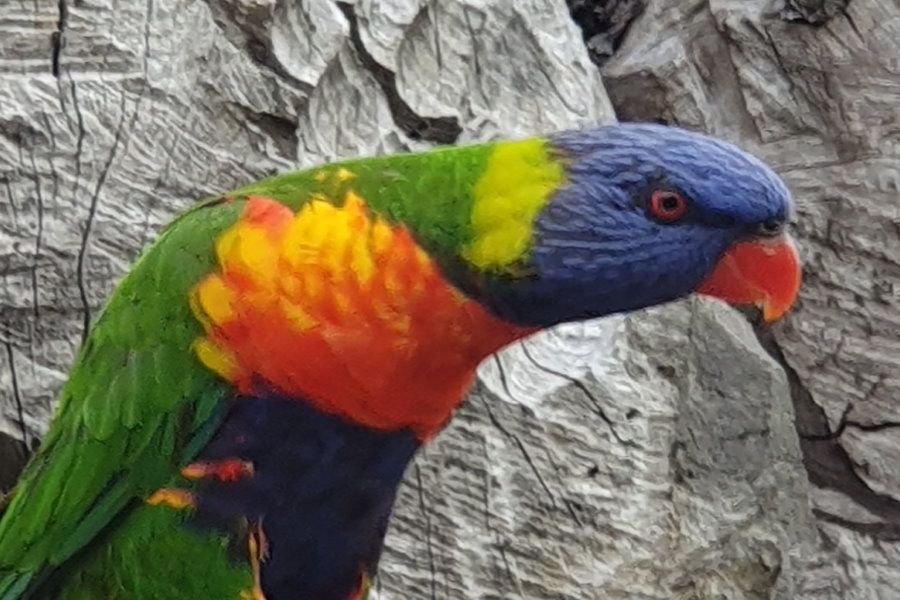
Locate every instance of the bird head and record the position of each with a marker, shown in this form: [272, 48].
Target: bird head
[647, 214]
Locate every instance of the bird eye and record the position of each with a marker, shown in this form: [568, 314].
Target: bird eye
[770, 228]
[667, 205]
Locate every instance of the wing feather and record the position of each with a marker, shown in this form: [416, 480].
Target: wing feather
[136, 407]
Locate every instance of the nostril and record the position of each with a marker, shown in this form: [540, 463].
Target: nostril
[770, 227]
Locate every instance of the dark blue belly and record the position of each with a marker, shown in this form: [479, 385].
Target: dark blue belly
[322, 490]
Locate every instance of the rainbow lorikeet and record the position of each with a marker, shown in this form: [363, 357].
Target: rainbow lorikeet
[241, 414]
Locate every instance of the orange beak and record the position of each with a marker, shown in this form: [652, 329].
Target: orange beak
[764, 272]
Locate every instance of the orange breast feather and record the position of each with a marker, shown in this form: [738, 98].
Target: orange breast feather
[340, 308]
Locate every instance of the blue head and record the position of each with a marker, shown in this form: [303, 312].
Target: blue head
[646, 215]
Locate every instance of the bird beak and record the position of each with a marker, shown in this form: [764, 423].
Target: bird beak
[764, 272]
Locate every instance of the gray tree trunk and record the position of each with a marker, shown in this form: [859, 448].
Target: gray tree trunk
[670, 454]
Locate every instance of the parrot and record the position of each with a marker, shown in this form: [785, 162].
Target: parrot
[237, 422]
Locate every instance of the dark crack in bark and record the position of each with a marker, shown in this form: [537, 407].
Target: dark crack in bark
[54, 179]
[852, 22]
[847, 423]
[92, 213]
[38, 240]
[12, 208]
[500, 541]
[604, 23]
[428, 541]
[505, 383]
[440, 130]
[16, 393]
[280, 131]
[245, 27]
[145, 59]
[887, 532]
[79, 123]
[595, 404]
[766, 35]
[827, 462]
[526, 455]
[58, 37]
[813, 12]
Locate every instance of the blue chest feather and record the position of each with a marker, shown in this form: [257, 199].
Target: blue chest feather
[322, 489]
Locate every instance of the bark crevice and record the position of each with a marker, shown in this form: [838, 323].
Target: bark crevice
[440, 130]
[825, 458]
[58, 37]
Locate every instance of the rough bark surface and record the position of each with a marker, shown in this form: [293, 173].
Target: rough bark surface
[663, 455]
[814, 88]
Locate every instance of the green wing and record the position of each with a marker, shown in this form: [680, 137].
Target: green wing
[136, 406]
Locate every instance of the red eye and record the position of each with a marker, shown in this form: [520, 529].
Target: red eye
[667, 206]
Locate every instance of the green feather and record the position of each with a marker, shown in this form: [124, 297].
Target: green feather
[115, 436]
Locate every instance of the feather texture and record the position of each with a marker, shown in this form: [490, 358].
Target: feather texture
[139, 405]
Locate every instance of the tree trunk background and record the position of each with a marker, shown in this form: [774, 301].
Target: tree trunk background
[675, 453]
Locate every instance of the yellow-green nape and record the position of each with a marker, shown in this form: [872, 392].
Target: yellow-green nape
[518, 182]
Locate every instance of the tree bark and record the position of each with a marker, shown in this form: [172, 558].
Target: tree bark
[675, 453]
